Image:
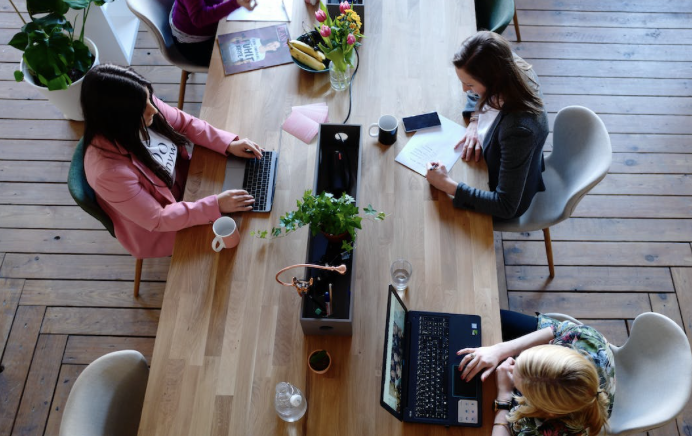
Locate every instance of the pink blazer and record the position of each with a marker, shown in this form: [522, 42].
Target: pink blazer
[145, 214]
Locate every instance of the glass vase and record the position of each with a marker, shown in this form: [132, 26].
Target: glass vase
[339, 80]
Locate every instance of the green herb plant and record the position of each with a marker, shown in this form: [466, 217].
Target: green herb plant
[325, 213]
[319, 361]
[51, 53]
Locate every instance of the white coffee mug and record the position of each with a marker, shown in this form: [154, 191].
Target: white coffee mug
[226, 232]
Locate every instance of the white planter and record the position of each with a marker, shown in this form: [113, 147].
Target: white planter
[66, 100]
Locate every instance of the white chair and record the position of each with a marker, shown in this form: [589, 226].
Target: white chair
[653, 376]
[154, 13]
[580, 159]
[107, 398]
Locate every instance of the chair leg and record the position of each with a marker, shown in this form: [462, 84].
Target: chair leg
[516, 25]
[183, 83]
[138, 276]
[549, 251]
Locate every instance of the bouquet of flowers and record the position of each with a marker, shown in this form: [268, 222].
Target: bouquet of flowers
[340, 35]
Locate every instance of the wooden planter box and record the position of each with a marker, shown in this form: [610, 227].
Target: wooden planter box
[323, 252]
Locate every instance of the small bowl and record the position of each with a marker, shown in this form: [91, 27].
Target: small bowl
[304, 67]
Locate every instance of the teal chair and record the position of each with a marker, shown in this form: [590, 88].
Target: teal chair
[85, 197]
[495, 15]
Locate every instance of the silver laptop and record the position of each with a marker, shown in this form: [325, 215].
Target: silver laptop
[256, 176]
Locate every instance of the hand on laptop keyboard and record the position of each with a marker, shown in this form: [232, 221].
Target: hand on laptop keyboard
[235, 200]
[245, 148]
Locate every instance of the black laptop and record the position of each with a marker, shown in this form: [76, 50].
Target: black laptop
[421, 381]
[256, 176]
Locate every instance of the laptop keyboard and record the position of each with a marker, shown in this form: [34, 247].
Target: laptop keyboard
[256, 180]
[432, 375]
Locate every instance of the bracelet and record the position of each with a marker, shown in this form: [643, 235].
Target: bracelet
[473, 118]
[504, 424]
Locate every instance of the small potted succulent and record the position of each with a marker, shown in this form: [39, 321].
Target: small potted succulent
[336, 218]
[319, 361]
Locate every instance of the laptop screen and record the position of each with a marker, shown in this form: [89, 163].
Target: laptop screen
[393, 367]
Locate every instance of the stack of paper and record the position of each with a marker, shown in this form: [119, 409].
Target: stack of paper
[265, 10]
[304, 121]
[433, 145]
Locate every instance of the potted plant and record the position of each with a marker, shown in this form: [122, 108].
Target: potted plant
[54, 61]
[339, 40]
[336, 218]
[319, 361]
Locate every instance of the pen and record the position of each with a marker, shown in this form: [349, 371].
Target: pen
[433, 166]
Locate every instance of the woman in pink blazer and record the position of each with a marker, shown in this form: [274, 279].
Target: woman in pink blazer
[136, 159]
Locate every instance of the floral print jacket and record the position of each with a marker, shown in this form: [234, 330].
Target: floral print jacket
[593, 345]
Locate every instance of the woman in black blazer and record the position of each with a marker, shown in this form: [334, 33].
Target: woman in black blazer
[507, 126]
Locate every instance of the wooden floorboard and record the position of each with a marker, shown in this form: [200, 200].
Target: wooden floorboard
[66, 286]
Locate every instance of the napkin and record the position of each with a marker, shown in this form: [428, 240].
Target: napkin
[304, 121]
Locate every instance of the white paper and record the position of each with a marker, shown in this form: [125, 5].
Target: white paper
[434, 144]
[266, 10]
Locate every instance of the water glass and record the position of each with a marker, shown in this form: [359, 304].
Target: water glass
[401, 271]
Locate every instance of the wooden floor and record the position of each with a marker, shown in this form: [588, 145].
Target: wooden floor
[66, 285]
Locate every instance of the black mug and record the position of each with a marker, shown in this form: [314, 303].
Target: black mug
[388, 127]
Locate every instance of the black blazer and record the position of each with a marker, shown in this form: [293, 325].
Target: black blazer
[513, 151]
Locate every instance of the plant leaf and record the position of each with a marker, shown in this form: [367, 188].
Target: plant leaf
[18, 76]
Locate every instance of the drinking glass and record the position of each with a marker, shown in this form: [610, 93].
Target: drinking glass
[401, 271]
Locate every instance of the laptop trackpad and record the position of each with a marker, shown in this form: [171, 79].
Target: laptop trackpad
[235, 172]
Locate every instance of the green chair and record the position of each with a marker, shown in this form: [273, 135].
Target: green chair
[85, 197]
[495, 15]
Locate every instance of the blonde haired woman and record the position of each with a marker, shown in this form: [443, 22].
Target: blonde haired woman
[561, 383]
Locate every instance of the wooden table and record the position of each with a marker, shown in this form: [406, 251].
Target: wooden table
[229, 333]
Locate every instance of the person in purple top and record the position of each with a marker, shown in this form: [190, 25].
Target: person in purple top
[194, 22]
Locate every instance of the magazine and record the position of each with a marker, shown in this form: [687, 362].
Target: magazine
[254, 49]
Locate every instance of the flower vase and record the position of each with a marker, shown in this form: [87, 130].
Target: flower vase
[339, 80]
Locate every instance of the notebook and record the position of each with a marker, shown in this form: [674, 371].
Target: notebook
[256, 176]
[421, 381]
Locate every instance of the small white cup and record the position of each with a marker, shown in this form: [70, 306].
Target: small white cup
[226, 232]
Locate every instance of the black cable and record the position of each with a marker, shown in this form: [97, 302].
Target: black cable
[350, 87]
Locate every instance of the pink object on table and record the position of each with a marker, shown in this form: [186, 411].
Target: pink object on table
[304, 121]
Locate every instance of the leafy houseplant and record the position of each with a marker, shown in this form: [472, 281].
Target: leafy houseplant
[340, 35]
[52, 55]
[326, 213]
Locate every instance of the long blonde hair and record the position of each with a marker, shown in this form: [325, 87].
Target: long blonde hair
[560, 383]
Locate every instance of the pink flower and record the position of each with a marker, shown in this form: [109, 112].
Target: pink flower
[325, 31]
[343, 6]
[321, 16]
[350, 39]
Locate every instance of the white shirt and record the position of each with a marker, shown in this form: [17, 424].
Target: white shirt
[486, 118]
[163, 150]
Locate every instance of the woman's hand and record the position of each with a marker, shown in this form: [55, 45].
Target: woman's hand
[235, 200]
[472, 147]
[480, 359]
[247, 4]
[505, 379]
[245, 148]
[438, 177]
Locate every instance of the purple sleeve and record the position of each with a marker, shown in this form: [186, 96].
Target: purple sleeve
[203, 14]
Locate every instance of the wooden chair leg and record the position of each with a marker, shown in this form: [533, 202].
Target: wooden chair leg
[516, 25]
[549, 251]
[138, 276]
[183, 83]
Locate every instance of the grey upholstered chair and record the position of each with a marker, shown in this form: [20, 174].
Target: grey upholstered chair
[154, 13]
[107, 397]
[653, 374]
[580, 159]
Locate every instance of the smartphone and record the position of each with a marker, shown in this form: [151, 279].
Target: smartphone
[419, 122]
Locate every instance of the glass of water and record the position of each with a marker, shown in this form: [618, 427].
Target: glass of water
[401, 271]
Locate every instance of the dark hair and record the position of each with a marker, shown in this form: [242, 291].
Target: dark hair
[487, 57]
[113, 101]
